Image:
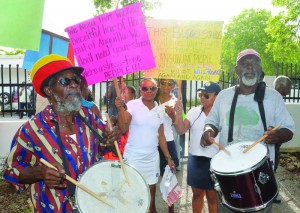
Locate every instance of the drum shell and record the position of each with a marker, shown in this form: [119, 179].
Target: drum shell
[243, 191]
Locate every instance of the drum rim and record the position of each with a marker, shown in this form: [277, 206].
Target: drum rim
[245, 171]
[240, 171]
[111, 161]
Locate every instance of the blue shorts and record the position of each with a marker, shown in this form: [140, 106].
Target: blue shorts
[198, 172]
[173, 152]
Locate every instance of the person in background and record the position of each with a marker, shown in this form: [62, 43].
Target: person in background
[198, 165]
[146, 132]
[24, 98]
[166, 110]
[247, 123]
[283, 85]
[59, 134]
[112, 95]
[87, 98]
[32, 98]
[129, 94]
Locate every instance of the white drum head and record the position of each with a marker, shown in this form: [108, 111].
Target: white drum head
[107, 180]
[238, 161]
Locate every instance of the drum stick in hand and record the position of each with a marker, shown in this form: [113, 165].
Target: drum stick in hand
[220, 147]
[118, 151]
[259, 140]
[93, 194]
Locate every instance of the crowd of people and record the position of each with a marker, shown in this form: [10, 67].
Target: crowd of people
[70, 132]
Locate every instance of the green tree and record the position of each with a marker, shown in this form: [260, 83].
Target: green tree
[12, 52]
[284, 28]
[246, 30]
[103, 6]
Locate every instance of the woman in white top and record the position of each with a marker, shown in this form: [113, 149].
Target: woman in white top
[146, 132]
[198, 169]
[166, 110]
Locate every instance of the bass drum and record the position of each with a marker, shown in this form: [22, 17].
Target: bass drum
[245, 181]
[107, 180]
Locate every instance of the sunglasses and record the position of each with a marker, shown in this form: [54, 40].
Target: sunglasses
[206, 96]
[170, 83]
[145, 89]
[67, 81]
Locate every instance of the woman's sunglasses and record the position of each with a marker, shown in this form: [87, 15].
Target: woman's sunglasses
[67, 81]
[145, 89]
[206, 96]
[170, 83]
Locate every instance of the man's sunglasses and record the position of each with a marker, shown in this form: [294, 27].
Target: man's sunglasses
[206, 96]
[145, 89]
[170, 83]
[67, 81]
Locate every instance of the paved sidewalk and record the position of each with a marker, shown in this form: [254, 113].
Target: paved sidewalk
[290, 201]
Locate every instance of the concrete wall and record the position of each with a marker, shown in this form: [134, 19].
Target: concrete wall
[7, 131]
[294, 144]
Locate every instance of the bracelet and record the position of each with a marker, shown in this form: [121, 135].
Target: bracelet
[168, 158]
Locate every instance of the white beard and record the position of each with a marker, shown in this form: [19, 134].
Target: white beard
[69, 105]
[249, 81]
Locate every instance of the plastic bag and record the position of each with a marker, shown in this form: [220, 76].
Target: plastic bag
[169, 187]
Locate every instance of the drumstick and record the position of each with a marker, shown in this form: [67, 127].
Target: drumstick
[220, 147]
[77, 184]
[259, 140]
[118, 151]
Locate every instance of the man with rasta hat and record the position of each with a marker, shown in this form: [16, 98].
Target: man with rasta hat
[248, 111]
[61, 134]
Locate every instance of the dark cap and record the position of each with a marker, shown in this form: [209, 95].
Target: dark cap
[247, 52]
[210, 87]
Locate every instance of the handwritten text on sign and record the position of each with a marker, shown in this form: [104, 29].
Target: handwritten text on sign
[185, 49]
[112, 44]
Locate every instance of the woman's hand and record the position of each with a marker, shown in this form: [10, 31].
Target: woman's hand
[171, 164]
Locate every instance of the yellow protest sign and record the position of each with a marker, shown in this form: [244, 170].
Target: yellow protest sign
[187, 50]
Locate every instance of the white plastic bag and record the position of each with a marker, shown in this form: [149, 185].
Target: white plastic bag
[169, 187]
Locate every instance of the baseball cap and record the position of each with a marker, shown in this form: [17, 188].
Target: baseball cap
[210, 87]
[48, 66]
[246, 53]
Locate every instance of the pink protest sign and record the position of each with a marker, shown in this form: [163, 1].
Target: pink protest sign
[112, 44]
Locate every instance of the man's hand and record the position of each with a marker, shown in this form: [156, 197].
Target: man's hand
[54, 178]
[207, 137]
[111, 136]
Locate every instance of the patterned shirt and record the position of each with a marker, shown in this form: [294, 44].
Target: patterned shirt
[37, 139]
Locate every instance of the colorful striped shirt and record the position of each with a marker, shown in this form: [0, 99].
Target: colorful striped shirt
[37, 139]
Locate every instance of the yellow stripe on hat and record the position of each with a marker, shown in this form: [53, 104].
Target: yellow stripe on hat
[46, 60]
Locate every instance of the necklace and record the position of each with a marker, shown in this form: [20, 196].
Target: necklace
[63, 126]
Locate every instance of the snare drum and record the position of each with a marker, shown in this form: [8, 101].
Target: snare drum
[107, 180]
[245, 181]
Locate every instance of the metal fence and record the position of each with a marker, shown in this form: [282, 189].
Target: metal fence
[12, 78]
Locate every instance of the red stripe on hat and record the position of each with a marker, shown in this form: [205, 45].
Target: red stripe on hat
[46, 71]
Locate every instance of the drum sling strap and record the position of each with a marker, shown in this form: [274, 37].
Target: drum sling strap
[258, 96]
[71, 187]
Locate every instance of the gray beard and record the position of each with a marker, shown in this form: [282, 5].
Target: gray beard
[69, 105]
[249, 81]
